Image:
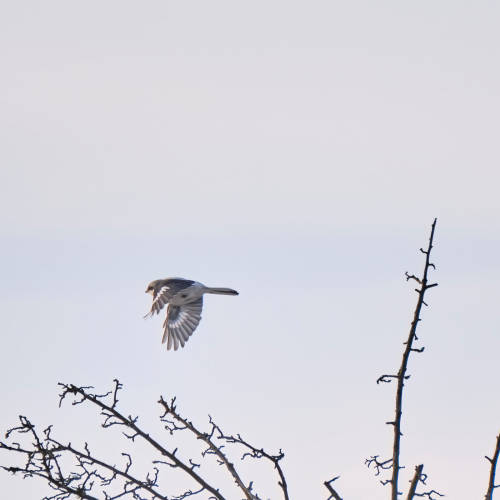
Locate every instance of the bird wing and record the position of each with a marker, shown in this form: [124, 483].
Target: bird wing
[165, 291]
[160, 298]
[181, 322]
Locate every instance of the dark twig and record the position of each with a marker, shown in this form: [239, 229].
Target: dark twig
[329, 487]
[379, 465]
[394, 462]
[114, 417]
[43, 462]
[424, 286]
[258, 453]
[420, 477]
[430, 495]
[45, 455]
[170, 409]
[493, 466]
[414, 481]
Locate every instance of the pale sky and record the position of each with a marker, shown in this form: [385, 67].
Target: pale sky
[295, 151]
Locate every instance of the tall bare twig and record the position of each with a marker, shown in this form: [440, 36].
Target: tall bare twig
[493, 467]
[401, 376]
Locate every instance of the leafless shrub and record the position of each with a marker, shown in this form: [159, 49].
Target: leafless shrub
[92, 475]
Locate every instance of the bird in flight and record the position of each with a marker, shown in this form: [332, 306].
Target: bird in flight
[185, 302]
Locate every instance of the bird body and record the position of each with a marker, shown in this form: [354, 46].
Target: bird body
[185, 302]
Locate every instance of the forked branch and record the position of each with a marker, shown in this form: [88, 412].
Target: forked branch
[93, 477]
[330, 488]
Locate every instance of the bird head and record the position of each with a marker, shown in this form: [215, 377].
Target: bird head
[151, 288]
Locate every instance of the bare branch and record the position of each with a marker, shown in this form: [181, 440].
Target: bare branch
[493, 466]
[430, 494]
[258, 453]
[329, 487]
[44, 455]
[394, 462]
[114, 417]
[378, 464]
[386, 378]
[414, 481]
[404, 365]
[170, 409]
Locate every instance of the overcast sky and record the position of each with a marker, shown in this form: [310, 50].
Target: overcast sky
[295, 151]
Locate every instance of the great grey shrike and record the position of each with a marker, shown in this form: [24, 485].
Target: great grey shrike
[185, 302]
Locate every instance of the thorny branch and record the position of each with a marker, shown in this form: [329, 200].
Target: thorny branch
[493, 466]
[171, 410]
[93, 475]
[257, 453]
[401, 376]
[114, 417]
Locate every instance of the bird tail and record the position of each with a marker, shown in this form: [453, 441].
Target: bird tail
[221, 291]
